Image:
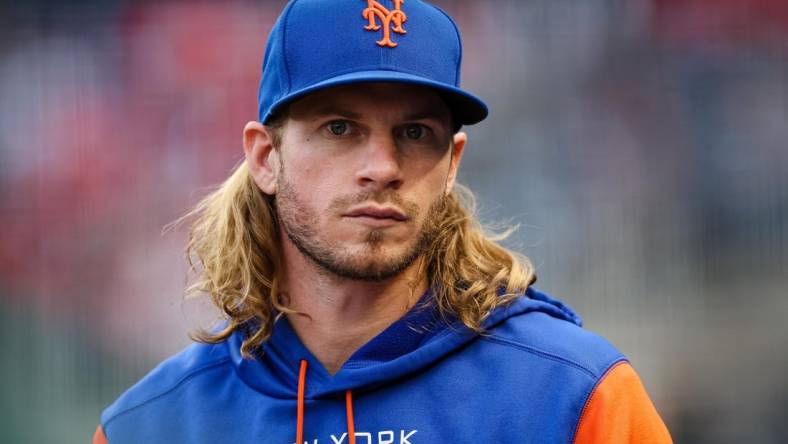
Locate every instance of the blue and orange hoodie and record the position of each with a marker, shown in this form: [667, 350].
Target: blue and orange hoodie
[534, 376]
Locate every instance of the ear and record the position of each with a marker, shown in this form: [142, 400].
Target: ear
[261, 157]
[456, 156]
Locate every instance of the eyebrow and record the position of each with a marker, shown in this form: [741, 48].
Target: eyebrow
[331, 110]
[334, 110]
[425, 114]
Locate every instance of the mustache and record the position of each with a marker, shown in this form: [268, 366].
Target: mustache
[341, 204]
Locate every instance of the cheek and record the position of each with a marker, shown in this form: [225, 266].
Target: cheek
[431, 176]
[311, 184]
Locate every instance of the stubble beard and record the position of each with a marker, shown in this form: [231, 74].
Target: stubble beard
[301, 225]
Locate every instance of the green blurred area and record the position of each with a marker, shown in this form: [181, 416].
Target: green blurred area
[54, 377]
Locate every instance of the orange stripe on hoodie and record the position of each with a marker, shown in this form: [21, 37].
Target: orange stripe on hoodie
[98, 437]
[620, 411]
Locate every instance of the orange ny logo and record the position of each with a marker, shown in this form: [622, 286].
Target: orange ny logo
[391, 20]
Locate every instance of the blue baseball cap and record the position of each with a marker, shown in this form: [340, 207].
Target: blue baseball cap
[318, 44]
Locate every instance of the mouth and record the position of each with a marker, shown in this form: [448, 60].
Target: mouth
[376, 216]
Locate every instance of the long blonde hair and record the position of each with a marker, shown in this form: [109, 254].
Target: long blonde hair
[234, 251]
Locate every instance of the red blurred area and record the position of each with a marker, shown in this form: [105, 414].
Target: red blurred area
[720, 22]
[108, 166]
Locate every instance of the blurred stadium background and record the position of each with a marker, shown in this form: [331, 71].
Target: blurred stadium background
[641, 144]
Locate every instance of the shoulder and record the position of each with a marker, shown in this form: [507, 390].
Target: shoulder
[542, 328]
[198, 364]
[537, 349]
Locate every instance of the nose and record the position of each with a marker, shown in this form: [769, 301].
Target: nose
[380, 165]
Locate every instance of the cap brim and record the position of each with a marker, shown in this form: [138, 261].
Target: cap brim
[466, 108]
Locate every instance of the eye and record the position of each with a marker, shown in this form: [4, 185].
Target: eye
[338, 127]
[415, 132]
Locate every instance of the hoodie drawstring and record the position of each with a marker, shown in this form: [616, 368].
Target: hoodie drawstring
[351, 428]
[300, 406]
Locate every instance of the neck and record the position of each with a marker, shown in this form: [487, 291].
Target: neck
[336, 316]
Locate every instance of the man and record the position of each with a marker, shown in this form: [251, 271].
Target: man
[363, 302]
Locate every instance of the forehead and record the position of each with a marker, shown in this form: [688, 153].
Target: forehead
[370, 100]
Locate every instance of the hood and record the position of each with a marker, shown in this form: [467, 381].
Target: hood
[413, 342]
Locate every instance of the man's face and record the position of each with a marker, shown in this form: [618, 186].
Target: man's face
[363, 169]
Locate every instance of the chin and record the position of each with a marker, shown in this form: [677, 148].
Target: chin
[377, 270]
